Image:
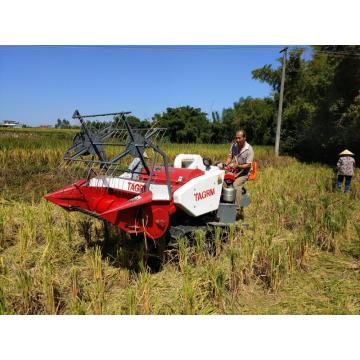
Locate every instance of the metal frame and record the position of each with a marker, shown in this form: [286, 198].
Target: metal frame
[93, 142]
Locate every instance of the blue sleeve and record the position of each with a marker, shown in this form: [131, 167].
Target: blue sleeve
[231, 151]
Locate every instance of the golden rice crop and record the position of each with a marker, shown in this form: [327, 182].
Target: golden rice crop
[54, 262]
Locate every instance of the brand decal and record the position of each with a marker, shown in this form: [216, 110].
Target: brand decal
[135, 187]
[204, 194]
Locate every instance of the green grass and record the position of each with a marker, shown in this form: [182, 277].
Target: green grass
[300, 253]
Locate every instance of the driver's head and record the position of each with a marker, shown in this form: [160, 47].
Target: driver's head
[240, 137]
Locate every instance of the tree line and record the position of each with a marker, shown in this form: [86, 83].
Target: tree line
[321, 108]
[321, 113]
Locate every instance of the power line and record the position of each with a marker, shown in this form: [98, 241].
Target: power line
[170, 48]
[199, 48]
[338, 55]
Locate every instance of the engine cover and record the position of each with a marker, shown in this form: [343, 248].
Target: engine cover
[201, 194]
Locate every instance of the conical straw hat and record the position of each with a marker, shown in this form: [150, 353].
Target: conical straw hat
[346, 152]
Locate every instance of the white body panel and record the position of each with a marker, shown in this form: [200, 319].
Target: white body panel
[201, 194]
[160, 192]
[189, 161]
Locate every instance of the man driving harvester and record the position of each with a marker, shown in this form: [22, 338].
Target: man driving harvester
[242, 155]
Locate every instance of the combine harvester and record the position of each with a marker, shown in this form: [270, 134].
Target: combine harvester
[147, 197]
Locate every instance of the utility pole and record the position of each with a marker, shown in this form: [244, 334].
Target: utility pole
[278, 126]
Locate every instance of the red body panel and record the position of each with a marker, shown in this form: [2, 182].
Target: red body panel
[133, 213]
[177, 175]
[230, 176]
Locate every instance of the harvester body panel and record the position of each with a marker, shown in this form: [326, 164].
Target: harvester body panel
[201, 194]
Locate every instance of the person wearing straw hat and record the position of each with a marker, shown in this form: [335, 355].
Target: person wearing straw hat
[345, 169]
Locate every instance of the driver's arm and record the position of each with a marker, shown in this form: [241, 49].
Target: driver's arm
[243, 166]
[228, 160]
[230, 156]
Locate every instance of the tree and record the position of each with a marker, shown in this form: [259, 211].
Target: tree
[255, 115]
[320, 101]
[133, 121]
[62, 124]
[185, 124]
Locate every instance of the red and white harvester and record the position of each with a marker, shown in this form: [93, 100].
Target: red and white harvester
[148, 196]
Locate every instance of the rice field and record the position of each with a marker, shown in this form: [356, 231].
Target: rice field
[297, 251]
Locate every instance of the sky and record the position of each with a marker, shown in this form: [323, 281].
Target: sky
[39, 84]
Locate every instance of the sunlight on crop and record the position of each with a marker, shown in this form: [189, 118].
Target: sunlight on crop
[55, 262]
